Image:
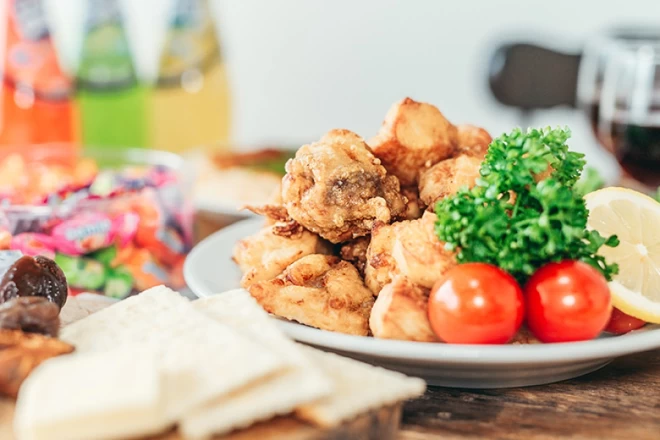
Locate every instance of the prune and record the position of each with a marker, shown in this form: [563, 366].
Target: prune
[31, 314]
[34, 276]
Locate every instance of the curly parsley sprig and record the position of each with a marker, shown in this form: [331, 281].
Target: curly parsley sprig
[510, 220]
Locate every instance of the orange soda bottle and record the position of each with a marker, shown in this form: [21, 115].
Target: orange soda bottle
[37, 98]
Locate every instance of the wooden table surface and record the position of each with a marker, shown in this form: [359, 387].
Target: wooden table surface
[620, 401]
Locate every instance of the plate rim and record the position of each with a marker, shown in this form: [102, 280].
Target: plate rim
[432, 352]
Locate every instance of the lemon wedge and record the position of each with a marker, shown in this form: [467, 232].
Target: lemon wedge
[635, 219]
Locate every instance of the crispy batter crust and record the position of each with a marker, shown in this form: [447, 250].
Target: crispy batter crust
[414, 136]
[401, 312]
[338, 189]
[321, 291]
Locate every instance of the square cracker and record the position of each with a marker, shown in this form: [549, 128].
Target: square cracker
[301, 383]
[359, 388]
[100, 395]
[200, 359]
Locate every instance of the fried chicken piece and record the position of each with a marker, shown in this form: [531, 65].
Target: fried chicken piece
[319, 291]
[277, 216]
[409, 248]
[524, 336]
[414, 206]
[356, 252]
[418, 253]
[338, 189]
[401, 312]
[444, 179]
[380, 266]
[472, 141]
[265, 255]
[414, 136]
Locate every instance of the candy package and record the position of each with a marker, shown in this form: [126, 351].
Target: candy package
[112, 231]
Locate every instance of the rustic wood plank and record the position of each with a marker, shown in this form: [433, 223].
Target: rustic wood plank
[621, 401]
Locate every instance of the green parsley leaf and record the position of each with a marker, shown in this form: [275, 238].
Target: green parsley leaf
[512, 221]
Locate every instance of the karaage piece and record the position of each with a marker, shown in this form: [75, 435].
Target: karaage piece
[319, 291]
[277, 216]
[355, 251]
[338, 189]
[414, 136]
[418, 253]
[401, 312]
[266, 254]
[524, 336]
[380, 266]
[414, 207]
[472, 141]
[444, 179]
[408, 248]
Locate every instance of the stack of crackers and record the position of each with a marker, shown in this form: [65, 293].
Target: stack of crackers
[207, 367]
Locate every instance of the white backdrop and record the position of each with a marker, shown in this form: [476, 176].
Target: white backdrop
[300, 67]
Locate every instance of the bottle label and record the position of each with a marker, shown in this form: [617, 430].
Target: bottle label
[191, 46]
[31, 63]
[106, 63]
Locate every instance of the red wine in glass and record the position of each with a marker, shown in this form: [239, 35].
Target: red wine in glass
[636, 145]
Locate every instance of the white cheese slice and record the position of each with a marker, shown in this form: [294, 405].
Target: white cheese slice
[301, 383]
[105, 395]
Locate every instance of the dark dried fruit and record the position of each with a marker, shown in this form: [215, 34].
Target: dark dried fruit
[31, 314]
[20, 353]
[34, 276]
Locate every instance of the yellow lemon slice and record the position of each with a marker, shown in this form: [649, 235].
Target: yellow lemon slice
[635, 219]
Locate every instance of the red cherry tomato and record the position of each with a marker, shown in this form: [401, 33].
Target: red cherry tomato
[476, 303]
[621, 323]
[567, 301]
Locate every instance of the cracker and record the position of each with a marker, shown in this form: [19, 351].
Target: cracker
[201, 359]
[300, 383]
[359, 388]
[103, 395]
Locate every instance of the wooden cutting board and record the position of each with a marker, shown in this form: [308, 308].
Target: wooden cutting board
[382, 424]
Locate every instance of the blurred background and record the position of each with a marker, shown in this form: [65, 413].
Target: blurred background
[297, 68]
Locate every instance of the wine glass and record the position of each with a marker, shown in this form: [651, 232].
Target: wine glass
[595, 56]
[629, 110]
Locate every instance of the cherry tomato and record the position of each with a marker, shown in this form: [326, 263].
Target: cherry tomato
[476, 303]
[621, 323]
[567, 301]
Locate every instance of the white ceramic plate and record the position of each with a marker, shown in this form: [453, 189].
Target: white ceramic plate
[209, 270]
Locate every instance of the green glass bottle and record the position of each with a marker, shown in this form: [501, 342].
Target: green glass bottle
[112, 99]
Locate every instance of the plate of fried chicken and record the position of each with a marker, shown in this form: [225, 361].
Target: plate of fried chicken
[345, 256]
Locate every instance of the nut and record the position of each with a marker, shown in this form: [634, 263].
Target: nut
[20, 353]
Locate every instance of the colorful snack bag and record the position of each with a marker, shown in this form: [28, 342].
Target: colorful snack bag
[83, 233]
[165, 243]
[124, 227]
[33, 243]
[5, 239]
[145, 270]
[105, 256]
[82, 273]
[119, 284]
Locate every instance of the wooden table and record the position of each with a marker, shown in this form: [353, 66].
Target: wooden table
[620, 401]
